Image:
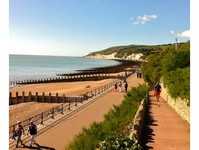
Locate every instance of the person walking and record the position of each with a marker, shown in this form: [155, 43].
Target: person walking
[120, 86]
[19, 133]
[14, 133]
[157, 91]
[116, 87]
[33, 133]
[126, 86]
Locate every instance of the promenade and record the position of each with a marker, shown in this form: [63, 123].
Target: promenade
[164, 129]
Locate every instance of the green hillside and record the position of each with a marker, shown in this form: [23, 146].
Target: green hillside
[124, 51]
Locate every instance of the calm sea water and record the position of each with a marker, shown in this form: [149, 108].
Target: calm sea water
[26, 67]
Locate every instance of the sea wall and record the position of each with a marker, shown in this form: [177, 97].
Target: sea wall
[179, 105]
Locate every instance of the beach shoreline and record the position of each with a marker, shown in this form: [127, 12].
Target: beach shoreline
[31, 67]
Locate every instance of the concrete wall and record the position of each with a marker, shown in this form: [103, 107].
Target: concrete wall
[179, 105]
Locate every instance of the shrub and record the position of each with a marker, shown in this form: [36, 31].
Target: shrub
[119, 142]
[174, 67]
[178, 82]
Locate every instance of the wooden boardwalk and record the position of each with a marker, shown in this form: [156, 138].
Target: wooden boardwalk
[164, 129]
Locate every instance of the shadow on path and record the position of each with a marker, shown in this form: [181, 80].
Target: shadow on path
[147, 132]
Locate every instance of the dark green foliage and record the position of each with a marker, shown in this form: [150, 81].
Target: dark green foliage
[173, 66]
[152, 69]
[175, 59]
[178, 82]
[114, 122]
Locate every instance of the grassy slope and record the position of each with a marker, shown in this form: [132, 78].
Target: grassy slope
[123, 51]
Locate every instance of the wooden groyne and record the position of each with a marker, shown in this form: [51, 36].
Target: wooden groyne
[70, 78]
[94, 74]
[44, 98]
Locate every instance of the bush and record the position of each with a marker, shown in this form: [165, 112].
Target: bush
[175, 59]
[174, 67]
[113, 124]
[152, 69]
[178, 82]
[119, 143]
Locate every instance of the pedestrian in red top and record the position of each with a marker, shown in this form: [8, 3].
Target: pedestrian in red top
[157, 91]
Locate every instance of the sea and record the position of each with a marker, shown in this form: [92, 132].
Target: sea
[31, 67]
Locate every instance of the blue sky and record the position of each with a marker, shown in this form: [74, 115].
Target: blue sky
[77, 27]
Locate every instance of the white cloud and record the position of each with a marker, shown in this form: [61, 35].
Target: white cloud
[172, 32]
[144, 19]
[184, 34]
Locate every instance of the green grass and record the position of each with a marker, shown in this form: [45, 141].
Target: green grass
[114, 123]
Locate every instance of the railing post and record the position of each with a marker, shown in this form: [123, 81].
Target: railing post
[36, 97]
[50, 97]
[56, 98]
[30, 97]
[53, 113]
[10, 99]
[76, 101]
[64, 98]
[23, 93]
[42, 118]
[62, 107]
[16, 97]
[69, 104]
[43, 97]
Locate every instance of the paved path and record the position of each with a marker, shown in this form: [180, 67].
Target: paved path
[164, 129]
[63, 133]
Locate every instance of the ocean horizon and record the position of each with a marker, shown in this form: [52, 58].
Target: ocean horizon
[31, 67]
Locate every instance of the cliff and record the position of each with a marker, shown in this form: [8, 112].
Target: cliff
[128, 52]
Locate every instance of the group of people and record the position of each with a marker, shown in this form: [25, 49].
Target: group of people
[17, 134]
[121, 86]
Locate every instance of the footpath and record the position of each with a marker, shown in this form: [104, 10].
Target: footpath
[164, 129]
[62, 134]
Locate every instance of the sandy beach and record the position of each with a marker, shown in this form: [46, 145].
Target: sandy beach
[68, 88]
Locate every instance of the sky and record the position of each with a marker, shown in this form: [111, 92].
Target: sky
[78, 27]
